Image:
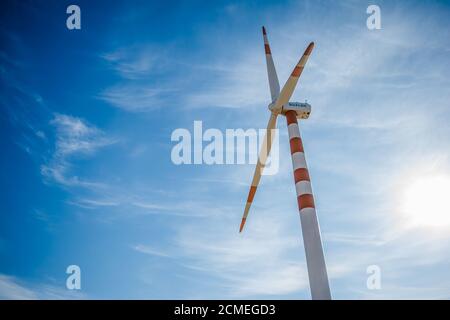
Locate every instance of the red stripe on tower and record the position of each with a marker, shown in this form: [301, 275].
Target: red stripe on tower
[291, 117]
[301, 174]
[296, 145]
[305, 201]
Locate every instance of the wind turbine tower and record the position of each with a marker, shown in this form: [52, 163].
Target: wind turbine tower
[280, 105]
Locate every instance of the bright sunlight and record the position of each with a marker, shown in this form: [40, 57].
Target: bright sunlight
[426, 201]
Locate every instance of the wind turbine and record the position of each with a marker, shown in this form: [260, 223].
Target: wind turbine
[280, 105]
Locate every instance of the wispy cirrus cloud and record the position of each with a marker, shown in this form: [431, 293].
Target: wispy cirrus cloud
[136, 62]
[27, 110]
[136, 97]
[74, 137]
[259, 262]
[146, 249]
[152, 78]
[12, 288]
[137, 67]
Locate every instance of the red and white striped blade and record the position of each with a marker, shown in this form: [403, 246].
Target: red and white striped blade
[264, 153]
[291, 83]
[271, 71]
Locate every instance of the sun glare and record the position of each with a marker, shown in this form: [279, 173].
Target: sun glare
[426, 201]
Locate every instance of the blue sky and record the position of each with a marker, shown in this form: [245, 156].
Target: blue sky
[87, 179]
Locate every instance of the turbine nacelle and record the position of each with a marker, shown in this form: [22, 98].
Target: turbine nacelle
[302, 109]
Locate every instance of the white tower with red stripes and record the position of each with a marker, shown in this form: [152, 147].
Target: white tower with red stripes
[280, 105]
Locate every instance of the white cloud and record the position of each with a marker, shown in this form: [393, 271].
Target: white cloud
[135, 62]
[95, 203]
[150, 251]
[12, 288]
[74, 137]
[138, 66]
[263, 260]
[135, 97]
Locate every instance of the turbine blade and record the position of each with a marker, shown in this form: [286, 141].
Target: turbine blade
[291, 83]
[271, 71]
[264, 153]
